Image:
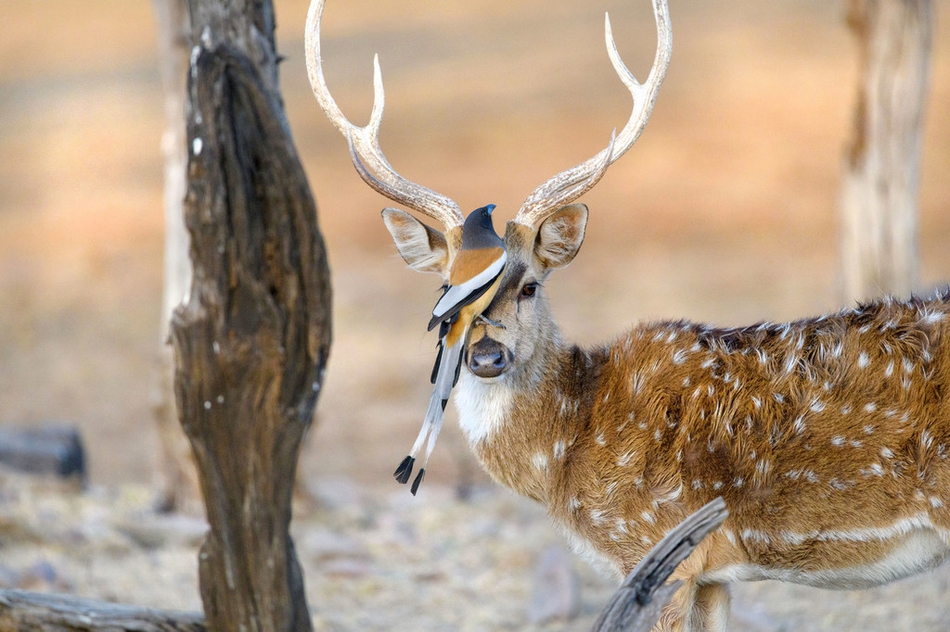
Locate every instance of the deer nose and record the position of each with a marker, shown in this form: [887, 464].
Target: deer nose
[488, 358]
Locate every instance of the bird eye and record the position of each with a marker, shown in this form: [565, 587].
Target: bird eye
[529, 290]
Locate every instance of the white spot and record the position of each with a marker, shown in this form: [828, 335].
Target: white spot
[195, 51]
[738, 481]
[759, 536]
[648, 517]
[697, 484]
[870, 407]
[839, 485]
[560, 447]
[817, 405]
[624, 459]
[600, 440]
[874, 469]
[717, 485]
[935, 502]
[539, 461]
[863, 360]
[215, 347]
[799, 425]
[854, 443]
[887, 453]
[636, 383]
[889, 369]
[196, 146]
[207, 405]
[680, 356]
[220, 399]
[597, 516]
[756, 402]
[790, 363]
[837, 440]
[869, 429]
[574, 504]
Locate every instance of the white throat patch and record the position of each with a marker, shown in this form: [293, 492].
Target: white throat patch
[482, 405]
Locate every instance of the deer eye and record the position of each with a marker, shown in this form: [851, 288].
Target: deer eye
[529, 290]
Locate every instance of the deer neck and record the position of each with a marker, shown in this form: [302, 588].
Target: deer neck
[535, 411]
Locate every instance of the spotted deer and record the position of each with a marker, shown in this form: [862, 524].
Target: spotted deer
[827, 437]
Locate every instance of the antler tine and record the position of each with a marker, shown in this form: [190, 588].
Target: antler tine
[574, 182]
[365, 151]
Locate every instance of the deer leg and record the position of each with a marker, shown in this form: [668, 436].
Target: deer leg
[696, 608]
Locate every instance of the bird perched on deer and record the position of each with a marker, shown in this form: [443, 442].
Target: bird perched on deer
[473, 282]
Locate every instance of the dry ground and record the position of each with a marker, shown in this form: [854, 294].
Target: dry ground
[724, 211]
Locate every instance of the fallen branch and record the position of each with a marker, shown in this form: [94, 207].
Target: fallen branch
[637, 604]
[24, 611]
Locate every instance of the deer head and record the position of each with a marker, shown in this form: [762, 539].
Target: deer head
[545, 234]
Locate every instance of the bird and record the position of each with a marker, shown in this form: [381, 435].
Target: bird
[474, 277]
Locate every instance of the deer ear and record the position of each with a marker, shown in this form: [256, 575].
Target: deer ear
[560, 236]
[421, 246]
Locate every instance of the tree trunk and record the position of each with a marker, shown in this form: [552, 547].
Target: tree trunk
[178, 480]
[879, 196]
[252, 340]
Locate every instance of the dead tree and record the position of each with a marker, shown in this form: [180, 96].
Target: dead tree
[879, 196]
[251, 342]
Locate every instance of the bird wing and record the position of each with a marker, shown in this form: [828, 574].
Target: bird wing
[458, 296]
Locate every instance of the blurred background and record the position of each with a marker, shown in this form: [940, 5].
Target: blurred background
[725, 210]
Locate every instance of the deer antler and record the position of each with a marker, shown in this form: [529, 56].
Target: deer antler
[574, 182]
[365, 151]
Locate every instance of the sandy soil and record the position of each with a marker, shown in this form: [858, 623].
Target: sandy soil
[724, 211]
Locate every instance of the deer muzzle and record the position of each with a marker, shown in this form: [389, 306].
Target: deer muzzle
[488, 358]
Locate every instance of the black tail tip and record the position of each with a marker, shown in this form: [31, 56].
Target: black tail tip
[415, 484]
[404, 471]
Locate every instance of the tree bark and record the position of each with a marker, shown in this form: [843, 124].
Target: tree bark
[178, 481]
[879, 197]
[252, 340]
